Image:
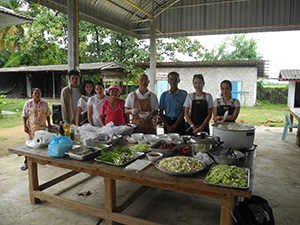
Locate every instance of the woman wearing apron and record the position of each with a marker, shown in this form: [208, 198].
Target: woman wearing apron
[226, 103]
[198, 107]
[113, 109]
[35, 114]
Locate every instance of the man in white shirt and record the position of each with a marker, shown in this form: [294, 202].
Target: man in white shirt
[143, 100]
[70, 96]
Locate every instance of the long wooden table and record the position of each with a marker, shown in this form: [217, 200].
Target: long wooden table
[295, 113]
[149, 177]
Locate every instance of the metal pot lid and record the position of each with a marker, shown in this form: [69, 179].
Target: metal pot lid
[206, 140]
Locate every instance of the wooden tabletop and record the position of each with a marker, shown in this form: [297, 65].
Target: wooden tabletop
[150, 176]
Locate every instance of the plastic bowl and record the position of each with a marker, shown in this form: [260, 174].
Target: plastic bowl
[137, 136]
[149, 137]
[154, 156]
[173, 135]
[144, 115]
[142, 141]
[131, 140]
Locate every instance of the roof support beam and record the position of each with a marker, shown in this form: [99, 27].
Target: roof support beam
[73, 46]
[152, 55]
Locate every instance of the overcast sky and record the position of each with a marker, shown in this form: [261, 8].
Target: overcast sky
[281, 48]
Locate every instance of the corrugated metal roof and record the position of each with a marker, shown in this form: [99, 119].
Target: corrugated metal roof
[86, 68]
[260, 64]
[289, 75]
[187, 18]
[9, 17]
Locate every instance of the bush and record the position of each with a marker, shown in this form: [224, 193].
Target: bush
[2, 102]
[277, 95]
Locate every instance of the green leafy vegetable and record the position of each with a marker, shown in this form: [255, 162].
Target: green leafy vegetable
[118, 155]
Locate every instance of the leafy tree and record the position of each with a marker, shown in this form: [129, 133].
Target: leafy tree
[243, 49]
[10, 35]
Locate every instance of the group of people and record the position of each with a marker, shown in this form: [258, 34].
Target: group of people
[180, 112]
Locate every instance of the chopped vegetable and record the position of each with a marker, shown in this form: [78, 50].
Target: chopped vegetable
[141, 147]
[100, 146]
[228, 175]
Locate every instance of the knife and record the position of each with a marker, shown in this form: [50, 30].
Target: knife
[225, 115]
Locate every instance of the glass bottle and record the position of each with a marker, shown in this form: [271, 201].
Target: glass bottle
[61, 130]
[72, 132]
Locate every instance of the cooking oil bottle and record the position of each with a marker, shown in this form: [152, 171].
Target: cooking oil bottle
[67, 128]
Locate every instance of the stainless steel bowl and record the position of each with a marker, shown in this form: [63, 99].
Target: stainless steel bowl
[226, 156]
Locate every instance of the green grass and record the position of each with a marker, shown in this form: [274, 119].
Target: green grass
[2, 138]
[16, 105]
[262, 114]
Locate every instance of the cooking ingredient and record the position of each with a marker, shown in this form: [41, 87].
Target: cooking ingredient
[167, 146]
[141, 147]
[233, 126]
[77, 135]
[228, 175]
[100, 146]
[72, 132]
[118, 155]
[181, 164]
[67, 128]
[61, 130]
[154, 155]
[183, 150]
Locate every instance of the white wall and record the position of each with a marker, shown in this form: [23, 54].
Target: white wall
[213, 76]
[291, 94]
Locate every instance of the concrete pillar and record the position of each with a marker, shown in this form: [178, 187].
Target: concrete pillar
[152, 73]
[73, 45]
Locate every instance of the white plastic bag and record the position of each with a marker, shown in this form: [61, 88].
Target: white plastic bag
[41, 139]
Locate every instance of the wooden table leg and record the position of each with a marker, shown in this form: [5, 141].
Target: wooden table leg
[226, 209]
[33, 180]
[110, 197]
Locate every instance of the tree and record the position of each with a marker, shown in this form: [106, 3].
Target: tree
[243, 49]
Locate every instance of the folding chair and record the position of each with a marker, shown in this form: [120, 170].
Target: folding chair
[288, 124]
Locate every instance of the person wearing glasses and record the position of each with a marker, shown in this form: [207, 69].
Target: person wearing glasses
[198, 107]
[226, 108]
[142, 104]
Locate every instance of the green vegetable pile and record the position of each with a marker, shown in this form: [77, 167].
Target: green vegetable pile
[228, 175]
[100, 146]
[118, 155]
[141, 147]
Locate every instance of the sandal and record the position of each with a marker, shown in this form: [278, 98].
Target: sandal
[24, 167]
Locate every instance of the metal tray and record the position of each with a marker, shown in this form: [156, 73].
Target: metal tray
[180, 173]
[137, 155]
[164, 151]
[82, 153]
[229, 186]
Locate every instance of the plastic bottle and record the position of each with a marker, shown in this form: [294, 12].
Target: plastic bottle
[72, 132]
[61, 130]
[67, 128]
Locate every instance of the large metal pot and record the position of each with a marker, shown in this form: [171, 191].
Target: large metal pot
[201, 143]
[235, 135]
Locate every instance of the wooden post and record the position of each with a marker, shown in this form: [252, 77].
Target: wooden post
[33, 180]
[53, 85]
[110, 197]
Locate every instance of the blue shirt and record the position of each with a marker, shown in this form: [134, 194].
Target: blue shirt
[172, 103]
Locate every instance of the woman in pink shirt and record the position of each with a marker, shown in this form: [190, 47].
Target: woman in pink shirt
[113, 109]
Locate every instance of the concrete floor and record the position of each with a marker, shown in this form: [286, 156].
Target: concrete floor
[277, 179]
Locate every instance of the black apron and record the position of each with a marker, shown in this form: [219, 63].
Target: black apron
[199, 112]
[221, 109]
